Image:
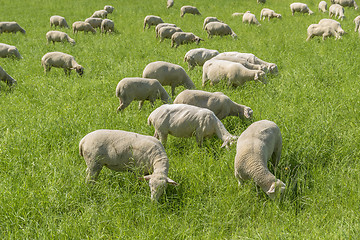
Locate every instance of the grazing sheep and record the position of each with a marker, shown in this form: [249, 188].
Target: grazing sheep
[357, 23]
[182, 120]
[107, 26]
[123, 151]
[238, 58]
[170, 3]
[250, 18]
[198, 56]
[141, 89]
[268, 13]
[300, 7]
[152, 20]
[168, 74]
[323, 6]
[255, 146]
[109, 8]
[219, 103]
[11, 27]
[94, 22]
[261, 1]
[82, 26]
[6, 77]
[180, 38]
[234, 73]
[219, 29]
[100, 14]
[61, 60]
[167, 32]
[321, 30]
[9, 51]
[209, 20]
[346, 3]
[336, 10]
[58, 21]
[189, 10]
[160, 25]
[57, 36]
[335, 25]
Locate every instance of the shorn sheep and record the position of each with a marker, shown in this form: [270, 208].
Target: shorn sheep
[180, 38]
[107, 26]
[6, 78]
[198, 56]
[321, 30]
[255, 146]
[189, 10]
[94, 22]
[82, 26]
[152, 20]
[57, 36]
[141, 89]
[182, 120]
[219, 103]
[219, 29]
[58, 21]
[61, 60]
[336, 10]
[300, 7]
[323, 6]
[268, 13]
[346, 3]
[9, 51]
[123, 151]
[11, 27]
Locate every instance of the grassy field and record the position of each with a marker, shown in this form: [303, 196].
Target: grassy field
[314, 100]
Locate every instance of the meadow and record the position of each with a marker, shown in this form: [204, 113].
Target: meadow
[314, 100]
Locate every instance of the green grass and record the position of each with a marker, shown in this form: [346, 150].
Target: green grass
[314, 100]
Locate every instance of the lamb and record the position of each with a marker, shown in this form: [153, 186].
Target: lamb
[152, 20]
[357, 23]
[219, 103]
[180, 38]
[94, 22]
[57, 36]
[11, 27]
[9, 51]
[198, 56]
[129, 89]
[100, 14]
[209, 20]
[61, 60]
[107, 26]
[268, 13]
[58, 21]
[160, 25]
[123, 151]
[250, 18]
[255, 146]
[82, 26]
[168, 74]
[238, 58]
[182, 120]
[323, 6]
[170, 3]
[300, 7]
[167, 32]
[109, 8]
[321, 30]
[190, 10]
[219, 29]
[336, 10]
[6, 78]
[346, 3]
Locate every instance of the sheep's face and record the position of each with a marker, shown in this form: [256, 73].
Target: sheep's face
[15, 52]
[157, 185]
[248, 113]
[260, 76]
[273, 68]
[80, 70]
[197, 40]
[276, 190]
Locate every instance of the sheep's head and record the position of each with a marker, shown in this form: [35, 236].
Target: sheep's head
[279, 16]
[273, 68]
[310, 12]
[79, 69]
[260, 76]
[234, 36]
[158, 184]
[15, 52]
[229, 141]
[197, 40]
[276, 189]
[248, 113]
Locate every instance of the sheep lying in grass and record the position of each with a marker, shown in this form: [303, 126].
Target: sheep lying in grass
[58, 21]
[357, 23]
[9, 51]
[238, 58]
[100, 14]
[167, 32]
[11, 27]
[255, 146]
[122, 151]
[169, 3]
[323, 6]
[168, 74]
[209, 20]
[250, 18]
[336, 10]
[189, 10]
[300, 7]
[180, 38]
[198, 56]
[335, 25]
[268, 13]
[321, 30]
[107, 26]
[94, 22]
[6, 77]
[141, 89]
[57, 36]
[152, 20]
[219, 29]
[346, 3]
[109, 8]
[61, 60]
[182, 120]
[219, 103]
[82, 26]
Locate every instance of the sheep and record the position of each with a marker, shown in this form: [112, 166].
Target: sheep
[82, 26]
[9, 51]
[57, 36]
[100, 14]
[237, 57]
[209, 20]
[198, 56]
[336, 10]
[169, 3]
[109, 8]
[107, 26]
[219, 29]
[335, 25]
[180, 38]
[61, 60]
[58, 21]
[234, 73]
[94, 22]
[129, 89]
[268, 13]
[182, 120]
[11, 27]
[237, 14]
[168, 74]
[219, 103]
[357, 23]
[123, 151]
[6, 78]
[152, 20]
[167, 32]
[190, 10]
[250, 18]
[323, 6]
[346, 3]
[321, 30]
[255, 146]
[300, 7]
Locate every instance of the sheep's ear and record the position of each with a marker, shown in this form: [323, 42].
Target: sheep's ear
[172, 182]
[146, 178]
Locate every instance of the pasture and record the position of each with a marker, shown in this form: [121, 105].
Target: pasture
[314, 100]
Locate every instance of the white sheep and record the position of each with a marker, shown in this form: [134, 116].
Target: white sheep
[300, 7]
[182, 120]
[268, 13]
[100, 14]
[168, 74]
[167, 32]
[209, 20]
[109, 8]
[357, 23]
[11, 27]
[198, 56]
[58, 21]
[250, 18]
[141, 89]
[218, 102]
[336, 10]
[61, 60]
[9, 51]
[94, 22]
[57, 36]
[346, 3]
[152, 20]
[321, 30]
[255, 146]
[6, 77]
[123, 151]
[160, 25]
[180, 38]
[82, 26]
[189, 10]
[323, 6]
[335, 25]
[107, 26]
[169, 3]
[238, 58]
[219, 29]
[235, 74]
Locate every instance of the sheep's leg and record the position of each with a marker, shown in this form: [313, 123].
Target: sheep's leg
[141, 103]
[122, 106]
[163, 138]
[172, 90]
[93, 173]
[239, 179]
[199, 137]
